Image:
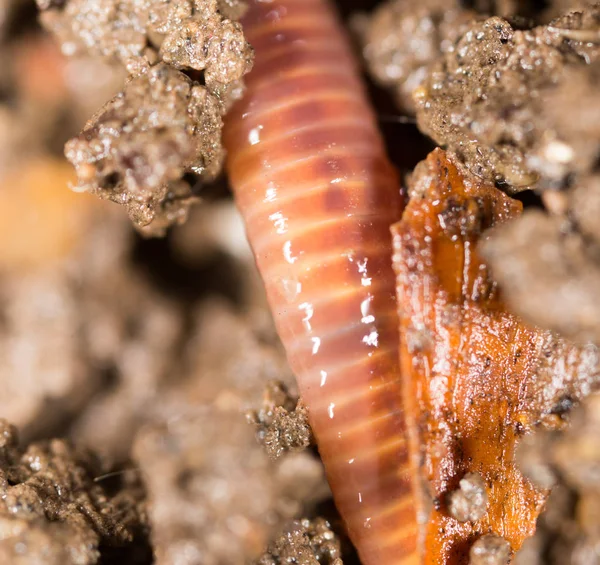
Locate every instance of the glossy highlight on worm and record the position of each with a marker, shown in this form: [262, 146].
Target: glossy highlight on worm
[318, 195]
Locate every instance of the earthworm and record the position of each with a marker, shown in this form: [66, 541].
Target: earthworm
[318, 195]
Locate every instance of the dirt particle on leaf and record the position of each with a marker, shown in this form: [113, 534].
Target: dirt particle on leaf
[490, 549]
[469, 501]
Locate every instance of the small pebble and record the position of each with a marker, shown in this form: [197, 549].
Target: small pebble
[490, 550]
[469, 502]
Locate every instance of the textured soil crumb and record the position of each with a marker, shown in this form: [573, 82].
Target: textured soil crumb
[282, 421]
[51, 509]
[490, 550]
[304, 542]
[498, 97]
[402, 39]
[164, 124]
[568, 532]
[214, 495]
[132, 33]
[469, 502]
[136, 149]
[550, 271]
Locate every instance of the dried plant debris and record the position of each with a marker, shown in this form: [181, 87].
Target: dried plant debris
[214, 495]
[568, 532]
[282, 421]
[304, 542]
[497, 99]
[478, 377]
[403, 38]
[51, 509]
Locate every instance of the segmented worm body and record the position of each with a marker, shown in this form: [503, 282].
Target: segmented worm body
[310, 175]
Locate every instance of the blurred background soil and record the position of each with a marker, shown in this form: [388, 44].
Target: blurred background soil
[156, 361]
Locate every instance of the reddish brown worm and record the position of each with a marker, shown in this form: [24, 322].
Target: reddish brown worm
[318, 195]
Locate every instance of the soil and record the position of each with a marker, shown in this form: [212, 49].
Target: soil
[164, 124]
[156, 362]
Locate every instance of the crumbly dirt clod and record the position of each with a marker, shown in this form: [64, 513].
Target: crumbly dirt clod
[497, 99]
[550, 272]
[282, 421]
[403, 38]
[137, 148]
[490, 550]
[210, 497]
[215, 497]
[208, 43]
[51, 509]
[164, 124]
[132, 32]
[304, 542]
[469, 501]
[135, 338]
[568, 531]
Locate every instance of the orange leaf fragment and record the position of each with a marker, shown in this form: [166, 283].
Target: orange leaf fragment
[468, 363]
